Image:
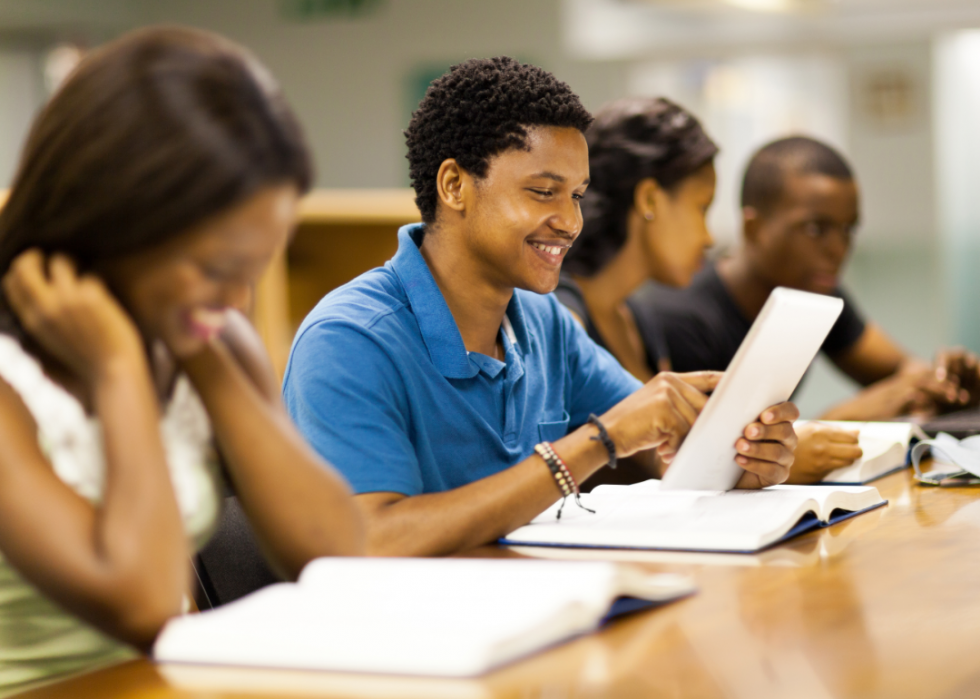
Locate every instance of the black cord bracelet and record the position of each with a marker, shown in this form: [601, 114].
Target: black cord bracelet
[604, 438]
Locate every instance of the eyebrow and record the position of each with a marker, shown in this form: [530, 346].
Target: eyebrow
[556, 177]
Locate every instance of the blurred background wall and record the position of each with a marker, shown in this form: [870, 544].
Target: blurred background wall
[895, 84]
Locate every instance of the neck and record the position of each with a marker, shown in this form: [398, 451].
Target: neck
[478, 306]
[748, 288]
[609, 288]
[605, 296]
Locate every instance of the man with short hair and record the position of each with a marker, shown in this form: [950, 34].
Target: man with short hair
[437, 383]
[800, 208]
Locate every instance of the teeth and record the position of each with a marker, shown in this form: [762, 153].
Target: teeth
[550, 249]
[208, 318]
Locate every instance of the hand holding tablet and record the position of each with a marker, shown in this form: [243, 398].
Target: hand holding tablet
[786, 336]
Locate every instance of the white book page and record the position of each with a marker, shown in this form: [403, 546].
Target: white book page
[879, 457]
[416, 586]
[451, 617]
[644, 516]
[830, 498]
[595, 585]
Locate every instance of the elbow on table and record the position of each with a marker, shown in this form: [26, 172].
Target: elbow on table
[140, 627]
[137, 614]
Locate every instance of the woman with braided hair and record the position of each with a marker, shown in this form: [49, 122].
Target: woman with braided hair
[653, 179]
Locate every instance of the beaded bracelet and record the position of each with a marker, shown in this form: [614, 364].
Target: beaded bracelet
[605, 439]
[563, 477]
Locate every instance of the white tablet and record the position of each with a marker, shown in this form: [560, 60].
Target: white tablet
[769, 364]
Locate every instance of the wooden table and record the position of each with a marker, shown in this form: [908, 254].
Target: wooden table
[884, 605]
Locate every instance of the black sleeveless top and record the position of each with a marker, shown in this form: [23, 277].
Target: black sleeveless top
[655, 345]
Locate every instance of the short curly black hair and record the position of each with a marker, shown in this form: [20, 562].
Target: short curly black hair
[479, 109]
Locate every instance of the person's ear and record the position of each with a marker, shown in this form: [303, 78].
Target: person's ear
[451, 182]
[750, 223]
[646, 196]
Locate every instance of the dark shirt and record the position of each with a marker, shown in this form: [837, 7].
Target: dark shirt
[702, 326]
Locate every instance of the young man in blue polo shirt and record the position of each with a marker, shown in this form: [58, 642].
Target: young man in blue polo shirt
[431, 382]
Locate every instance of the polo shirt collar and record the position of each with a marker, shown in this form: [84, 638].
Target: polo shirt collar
[515, 313]
[439, 330]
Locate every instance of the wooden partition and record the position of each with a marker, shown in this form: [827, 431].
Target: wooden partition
[340, 234]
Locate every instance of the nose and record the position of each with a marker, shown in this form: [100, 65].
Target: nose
[568, 218]
[237, 296]
[837, 245]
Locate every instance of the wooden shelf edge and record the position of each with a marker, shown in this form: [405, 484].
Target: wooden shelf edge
[350, 206]
[362, 206]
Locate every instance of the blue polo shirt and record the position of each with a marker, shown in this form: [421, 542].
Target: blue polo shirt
[381, 385]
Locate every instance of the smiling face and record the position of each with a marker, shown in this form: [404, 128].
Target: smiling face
[803, 242]
[524, 215]
[677, 238]
[178, 292]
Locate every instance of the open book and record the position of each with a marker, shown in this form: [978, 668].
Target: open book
[885, 446]
[443, 617]
[644, 516]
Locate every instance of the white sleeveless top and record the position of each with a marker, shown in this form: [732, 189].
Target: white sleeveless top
[38, 640]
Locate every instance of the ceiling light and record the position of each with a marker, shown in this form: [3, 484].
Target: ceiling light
[59, 63]
[763, 5]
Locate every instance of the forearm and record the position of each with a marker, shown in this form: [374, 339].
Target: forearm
[298, 505]
[122, 564]
[883, 400]
[479, 513]
[139, 506]
[873, 357]
[854, 409]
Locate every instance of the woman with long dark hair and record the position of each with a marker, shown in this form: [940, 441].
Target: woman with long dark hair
[154, 188]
